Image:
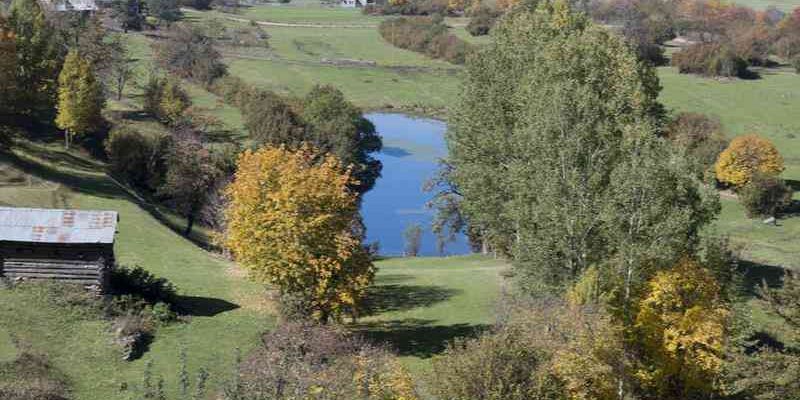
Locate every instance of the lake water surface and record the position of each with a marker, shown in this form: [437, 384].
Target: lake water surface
[411, 150]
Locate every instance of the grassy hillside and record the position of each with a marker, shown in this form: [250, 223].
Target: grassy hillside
[226, 311]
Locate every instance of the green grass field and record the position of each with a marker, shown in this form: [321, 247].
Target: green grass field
[783, 5]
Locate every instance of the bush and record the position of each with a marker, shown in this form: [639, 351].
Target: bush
[796, 64]
[765, 195]
[700, 137]
[710, 59]
[305, 360]
[426, 35]
[190, 54]
[136, 158]
[481, 21]
[141, 283]
[745, 156]
[498, 366]
[410, 7]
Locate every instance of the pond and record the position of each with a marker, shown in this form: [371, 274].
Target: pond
[411, 150]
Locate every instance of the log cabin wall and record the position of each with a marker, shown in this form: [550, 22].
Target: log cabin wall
[85, 264]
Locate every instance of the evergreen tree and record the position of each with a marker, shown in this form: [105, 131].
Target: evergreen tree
[80, 98]
[8, 67]
[38, 59]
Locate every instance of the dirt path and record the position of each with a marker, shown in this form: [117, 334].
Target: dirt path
[301, 25]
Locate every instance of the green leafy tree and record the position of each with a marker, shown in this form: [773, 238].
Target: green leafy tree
[167, 11]
[39, 57]
[537, 135]
[129, 14]
[191, 173]
[336, 126]
[80, 98]
[765, 195]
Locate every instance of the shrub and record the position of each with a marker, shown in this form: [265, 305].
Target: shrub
[796, 64]
[135, 157]
[710, 59]
[498, 366]
[426, 35]
[700, 137]
[190, 54]
[142, 283]
[745, 156]
[481, 21]
[765, 195]
[173, 102]
[413, 239]
[305, 360]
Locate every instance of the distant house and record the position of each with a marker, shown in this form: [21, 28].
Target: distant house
[356, 3]
[74, 246]
[82, 6]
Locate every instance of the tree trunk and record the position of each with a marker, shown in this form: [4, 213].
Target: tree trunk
[66, 139]
[189, 224]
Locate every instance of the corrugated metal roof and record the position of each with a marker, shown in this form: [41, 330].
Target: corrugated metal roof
[57, 226]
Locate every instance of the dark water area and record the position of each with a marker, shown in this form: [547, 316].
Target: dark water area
[411, 150]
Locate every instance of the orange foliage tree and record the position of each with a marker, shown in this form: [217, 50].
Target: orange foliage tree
[293, 222]
[681, 326]
[745, 156]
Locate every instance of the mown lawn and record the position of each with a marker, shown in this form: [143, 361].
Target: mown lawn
[308, 12]
[418, 305]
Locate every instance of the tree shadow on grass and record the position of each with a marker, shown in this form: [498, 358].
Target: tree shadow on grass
[392, 278]
[203, 306]
[395, 297]
[755, 274]
[99, 185]
[416, 337]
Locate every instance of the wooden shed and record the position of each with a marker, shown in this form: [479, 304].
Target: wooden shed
[74, 246]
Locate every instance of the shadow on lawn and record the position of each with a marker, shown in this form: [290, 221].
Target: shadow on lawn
[94, 185]
[394, 297]
[754, 274]
[203, 306]
[416, 337]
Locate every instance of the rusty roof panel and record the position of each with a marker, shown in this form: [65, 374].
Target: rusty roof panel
[57, 226]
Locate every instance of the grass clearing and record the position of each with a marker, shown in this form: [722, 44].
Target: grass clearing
[783, 5]
[419, 304]
[8, 351]
[308, 12]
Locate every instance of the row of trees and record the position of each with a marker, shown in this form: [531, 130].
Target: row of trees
[561, 161]
[58, 69]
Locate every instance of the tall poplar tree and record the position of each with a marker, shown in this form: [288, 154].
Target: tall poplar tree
[80, 98]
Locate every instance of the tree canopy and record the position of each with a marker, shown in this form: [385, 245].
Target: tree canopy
[292, 222]
[557, 117]
[80, 98]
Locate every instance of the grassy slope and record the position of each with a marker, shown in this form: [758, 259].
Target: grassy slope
[227, 312]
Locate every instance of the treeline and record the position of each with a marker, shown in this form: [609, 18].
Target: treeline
[427, 35]
[724, 39]
[597, 199]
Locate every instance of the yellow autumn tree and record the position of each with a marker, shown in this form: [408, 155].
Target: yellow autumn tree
[745, 156]
[681, 327]
[292, 222]
[80, 98]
